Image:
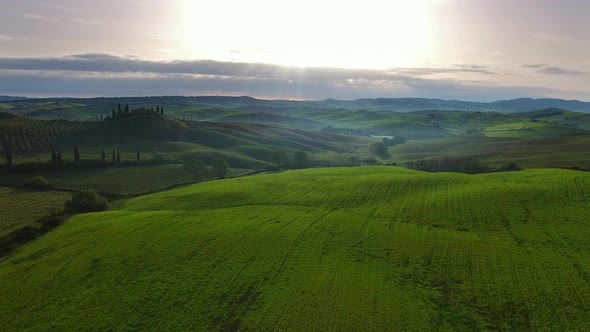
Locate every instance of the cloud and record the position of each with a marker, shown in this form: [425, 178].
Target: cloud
[556, 39]
[6, 38]
[559, 71]
[87, 21]
[33, 16]
[539, 65]
[553, 70]
[38, 17]
[100, 62]
[98, 74]
[62, 8]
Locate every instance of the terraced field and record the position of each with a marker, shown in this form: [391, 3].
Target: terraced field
[372, 248]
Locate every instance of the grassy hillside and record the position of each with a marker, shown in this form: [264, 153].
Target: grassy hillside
[21, 207]
[374, 248]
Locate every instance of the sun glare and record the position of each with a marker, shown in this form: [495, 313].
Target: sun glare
[307, 33]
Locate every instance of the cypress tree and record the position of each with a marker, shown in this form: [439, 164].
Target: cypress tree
[114, 156]
[58, 157]
[119, 110]
[76, 154]
[126, 109]
[101, 117]
[114, 113]
[162, 110]
[137, 156]
[8, 153]
[96, 117]
[53, 157]
[103, 157]
[118, 157]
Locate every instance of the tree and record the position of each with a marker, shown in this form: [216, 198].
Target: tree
[59, 157]
[126, 109]
[76, 154]
[220, 167]
[8, 153]
[279, 156]
[86, 201]
[53, 157]
[162, 110]
[355, 160]
[114, 156]
[378, 148]
[157, 109]
[101, 119]
[137, 156]
[300, 159]
[37, 182]
[114, 113]
[395, 140]
[119, 112]
[118, 157]
[103, 156]
[196, 168]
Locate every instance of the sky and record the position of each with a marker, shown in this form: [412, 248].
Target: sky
[478, 50]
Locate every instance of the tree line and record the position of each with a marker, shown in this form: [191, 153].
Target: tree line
[126, 111]
[57, 156]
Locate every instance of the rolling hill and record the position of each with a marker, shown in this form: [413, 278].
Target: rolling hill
[374, 104]
[243, 145]
[373, 248]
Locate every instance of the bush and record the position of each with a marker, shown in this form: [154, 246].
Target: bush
[370, 161]
[86, 201]
[37, 182]
[300, 159]
[509, 167]
[378, 148]
[575, 168]
[197, 168]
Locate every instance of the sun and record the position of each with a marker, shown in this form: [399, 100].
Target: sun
[308, 33]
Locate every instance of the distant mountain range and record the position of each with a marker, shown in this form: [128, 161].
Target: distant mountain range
[373, 104]
[11, 98]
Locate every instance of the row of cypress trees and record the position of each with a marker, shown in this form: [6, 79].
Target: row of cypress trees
[56, 157]
[125, 111]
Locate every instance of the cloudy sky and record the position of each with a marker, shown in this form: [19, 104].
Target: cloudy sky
[297, 49]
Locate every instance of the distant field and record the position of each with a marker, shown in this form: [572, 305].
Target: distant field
[371, 248]
[530, 152]
[21, 208]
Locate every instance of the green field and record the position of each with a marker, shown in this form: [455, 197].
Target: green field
[371, 248]
[22, 207]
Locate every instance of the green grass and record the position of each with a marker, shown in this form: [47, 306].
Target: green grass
[22, 207]
[372, 248]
